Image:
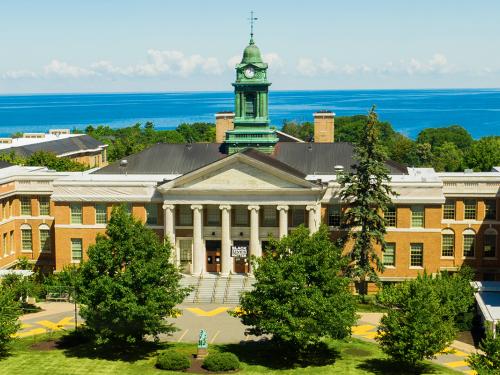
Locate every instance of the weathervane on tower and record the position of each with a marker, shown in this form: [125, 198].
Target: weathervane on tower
[252, 19]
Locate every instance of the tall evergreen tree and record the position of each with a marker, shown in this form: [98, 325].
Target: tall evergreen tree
[367, 192]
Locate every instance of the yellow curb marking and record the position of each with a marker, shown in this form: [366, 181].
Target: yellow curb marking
[26, 325]
[362, 329]
[456, 364]
[200, 312]
[213, 338]
[470, 372]
[32, 332]
[182, 336]
[370, 335]
[57, 325]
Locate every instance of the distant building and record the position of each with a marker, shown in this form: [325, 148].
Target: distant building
[81, 148]
[218, 203]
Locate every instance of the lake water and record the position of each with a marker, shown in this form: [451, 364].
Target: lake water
[409, 111]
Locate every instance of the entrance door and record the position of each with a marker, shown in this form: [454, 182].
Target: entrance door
[241, 263]
[213, 255]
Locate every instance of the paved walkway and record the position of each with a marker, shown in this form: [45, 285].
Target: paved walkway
[221, 328]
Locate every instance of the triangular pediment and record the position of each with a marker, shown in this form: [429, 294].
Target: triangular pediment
[238, 172]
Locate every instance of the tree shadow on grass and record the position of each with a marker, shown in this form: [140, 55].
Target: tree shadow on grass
[387, 366]
[80, 345]
[269, 354]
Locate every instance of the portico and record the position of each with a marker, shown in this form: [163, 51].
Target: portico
[238, 201]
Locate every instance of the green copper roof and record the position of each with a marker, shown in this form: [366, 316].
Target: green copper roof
[251, 54]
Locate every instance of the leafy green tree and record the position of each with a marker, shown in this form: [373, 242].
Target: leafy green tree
[424, 154]
[197, 132]
[128, 286]
[51, 161]
[484, 154]
[447, 157]
[403, 150]
[418, 325]
[300, 295]
[304, 130]
[487, 362]
[21, 287]
[438, 136]
[10, 312]
[367, 190]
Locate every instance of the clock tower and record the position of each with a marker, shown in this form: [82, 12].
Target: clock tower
[251, 121]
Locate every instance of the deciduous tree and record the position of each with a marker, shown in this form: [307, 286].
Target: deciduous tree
[128, 286]
[300, 295]
[10, 311]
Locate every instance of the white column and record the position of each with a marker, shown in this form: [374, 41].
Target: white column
[198, 253]
[226, 260]
[283, 218]
[313, 217]
[169, 231]
[254, 232]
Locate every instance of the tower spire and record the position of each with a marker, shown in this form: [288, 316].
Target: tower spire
[252, 19]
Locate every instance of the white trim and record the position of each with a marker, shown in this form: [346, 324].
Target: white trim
[415, 229]
[81, 226]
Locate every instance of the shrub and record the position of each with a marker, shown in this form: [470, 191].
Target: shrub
[221, 362]
[487, 362]
[172, 360]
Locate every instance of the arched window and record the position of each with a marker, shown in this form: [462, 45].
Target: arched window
[447, 243]
[45, 239]
[490, 243]
[469, 241]
[26, 238]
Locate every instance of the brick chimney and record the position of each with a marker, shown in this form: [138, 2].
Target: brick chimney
[224, 121]
[323, 126]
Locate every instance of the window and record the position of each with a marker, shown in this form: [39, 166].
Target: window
[185, 215]
[101, 215]
[4, 245]
[185, 247]
[416, 255]
[152, 213]
[490, 209]
[213, 215]
[45, 241]
[44, 203]
[12, 248]
[469, 243]
[417, 216]
[298, 216]
[449, 209]
[334, 215]
[241, 216]
[76, 250]
[26, 205]
[269, 216]
[390, 216]
[490, 243]
[26, 240]
[389, 255]
[447, 244]
[470, 209]
[76, 213]
[250, 105]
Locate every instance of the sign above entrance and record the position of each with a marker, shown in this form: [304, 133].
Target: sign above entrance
[239, 251]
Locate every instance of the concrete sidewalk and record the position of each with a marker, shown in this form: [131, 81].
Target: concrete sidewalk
[49, 309]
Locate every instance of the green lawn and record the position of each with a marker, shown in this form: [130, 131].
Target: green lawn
[355, 357]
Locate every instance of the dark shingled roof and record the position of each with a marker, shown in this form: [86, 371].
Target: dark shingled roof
[4, 164]
[58, 146]
[305, 158]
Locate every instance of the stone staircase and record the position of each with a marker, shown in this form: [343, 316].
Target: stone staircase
[212, 288]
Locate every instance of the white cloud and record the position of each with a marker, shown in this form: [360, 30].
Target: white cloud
[63, 69]
[307, 67]
[19, 74]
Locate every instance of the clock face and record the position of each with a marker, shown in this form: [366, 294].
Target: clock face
[249, 72]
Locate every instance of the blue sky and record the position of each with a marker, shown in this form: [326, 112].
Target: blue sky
[192, 45]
